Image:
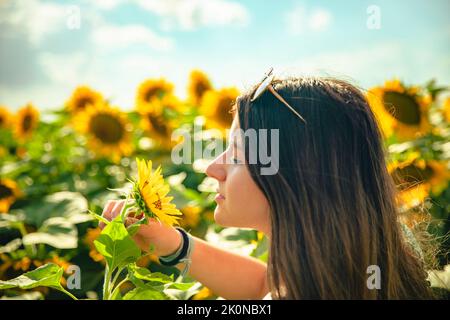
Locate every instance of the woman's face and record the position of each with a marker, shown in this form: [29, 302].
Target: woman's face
[240, 203]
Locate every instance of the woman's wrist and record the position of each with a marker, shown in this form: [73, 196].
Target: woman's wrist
[178, 244]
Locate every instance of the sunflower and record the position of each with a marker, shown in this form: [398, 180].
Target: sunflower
[108, 130]
[400, 110]
[5, 118]
[26, 121]
[81, 98]
[191, 216]
[91, 235]
[198, 84]
[447, 109]
[204, 294]
[152, 89]
[158, 118]
[9, 192]
[150, 193]
[216, 107]
[416, 178]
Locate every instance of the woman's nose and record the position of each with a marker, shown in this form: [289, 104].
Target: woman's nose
[216, 169]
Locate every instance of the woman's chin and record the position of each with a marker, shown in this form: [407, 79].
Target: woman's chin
[220, 217]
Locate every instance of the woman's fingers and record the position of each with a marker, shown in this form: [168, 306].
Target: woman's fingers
[130, 221]
[107, 212]
[117, 208]
[108, 208]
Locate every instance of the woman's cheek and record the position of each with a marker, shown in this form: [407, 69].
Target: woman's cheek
[239, 198]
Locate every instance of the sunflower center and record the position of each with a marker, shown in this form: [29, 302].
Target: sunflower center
[83, 102]
[157, 203]
[158, 124]
[27, 122]
[5, 192]
[153, 92]
[200, 88]
[402, 107]
[223, 112]
[107, 128]
[411, 175]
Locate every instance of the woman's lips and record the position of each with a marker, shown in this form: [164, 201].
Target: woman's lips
[219, 197]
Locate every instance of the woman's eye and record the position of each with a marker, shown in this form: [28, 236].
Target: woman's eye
[235, 160]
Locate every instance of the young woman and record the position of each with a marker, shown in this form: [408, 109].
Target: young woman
[329, 211]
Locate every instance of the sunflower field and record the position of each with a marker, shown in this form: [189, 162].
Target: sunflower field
[58, 168]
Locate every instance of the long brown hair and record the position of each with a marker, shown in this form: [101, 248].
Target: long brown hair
[333, 208]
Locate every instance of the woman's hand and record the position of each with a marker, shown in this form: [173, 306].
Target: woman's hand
[165, 240]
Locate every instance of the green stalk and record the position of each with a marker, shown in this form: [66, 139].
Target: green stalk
[68, 293]
[31, 249]
[118, 286]
[106, 283]
[116, 276]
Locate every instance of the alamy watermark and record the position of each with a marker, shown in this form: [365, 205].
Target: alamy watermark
[254, 146]
[374, 278]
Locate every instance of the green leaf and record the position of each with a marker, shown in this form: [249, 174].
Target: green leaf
[99, 217]
[33, 295]
[147, 275]
[11, 246]
[12, 220]
[147, 293]
[56, 232]
[116, 245]
[185, 293]
[70, 205]
[48, 275]
[179, 285]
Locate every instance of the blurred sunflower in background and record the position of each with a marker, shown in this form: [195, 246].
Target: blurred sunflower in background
[26, 120]
[81, 98]
[107, 130]
[5, 118]
[198, 84]
[191, 216]
[446, 109]
[216, 106]
[417, 178]
[150, 193]
[401, 110]
[9, 192]
[152, 89]
[91, 235]
[204, 294]
[159, 119]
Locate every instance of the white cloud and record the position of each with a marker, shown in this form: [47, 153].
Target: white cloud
[63, 68]
[36, 18]
[192, 14]
[320, 19]
[115, 36]
[107, 4]
[370, 65]
[187, 14]
[300, 20]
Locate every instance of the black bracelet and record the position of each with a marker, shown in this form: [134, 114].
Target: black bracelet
[183, 251]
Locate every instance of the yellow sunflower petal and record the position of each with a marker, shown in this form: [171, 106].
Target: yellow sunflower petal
[6, 118]
[107, 129]
[216, 107]
[82, 97]
[153, 190]
[26, 121]
[400, 110]
[197, 86]
[9, 192]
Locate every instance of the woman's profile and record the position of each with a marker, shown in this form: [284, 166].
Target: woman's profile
[329, 211]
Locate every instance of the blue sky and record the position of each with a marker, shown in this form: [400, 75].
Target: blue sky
[122, 42]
